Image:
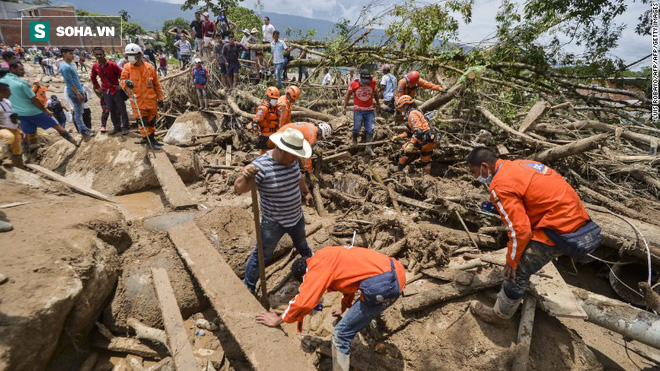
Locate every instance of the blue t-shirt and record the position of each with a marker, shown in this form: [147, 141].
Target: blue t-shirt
[70, 78]
[277, 49]
[389, 82]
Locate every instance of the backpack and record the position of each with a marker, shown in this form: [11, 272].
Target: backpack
[199, 76]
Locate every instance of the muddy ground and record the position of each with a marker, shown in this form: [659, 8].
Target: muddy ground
[73, 260]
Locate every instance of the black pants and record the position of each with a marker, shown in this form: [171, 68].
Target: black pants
[117, 108]
[87, 118]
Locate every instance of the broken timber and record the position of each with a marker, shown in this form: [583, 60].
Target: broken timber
[177, 339]
[176, 193]
[534, 113]
[69, 182]
[266, 348]
[554, 295]
[525, 330]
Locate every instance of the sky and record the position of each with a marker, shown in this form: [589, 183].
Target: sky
[631, 46]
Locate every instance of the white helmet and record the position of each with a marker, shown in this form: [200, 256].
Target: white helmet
[326, 130]
[132, 49]
[197, 60]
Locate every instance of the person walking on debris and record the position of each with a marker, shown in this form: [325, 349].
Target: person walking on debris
[10, 132]
[422, 137]
[74, 91]
[196, 29]
[31, 113]
[280, 186]
[217, 50]
[140, 81]
[208, 33]
[177, 33]
[267, 30]
[224, 26]
[277, 49]
[183, 46]
[345, 269]
[109, 73]
[162, 64]
[409, 86]
[55, 106]
[148, 52]
[231, 52]
[285, 103]
[200, 77]
[364, 93]
[311, 134]
[267, 120]
[545, 218]
[388, 84]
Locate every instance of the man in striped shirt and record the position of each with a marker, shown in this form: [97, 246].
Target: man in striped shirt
[280, 185]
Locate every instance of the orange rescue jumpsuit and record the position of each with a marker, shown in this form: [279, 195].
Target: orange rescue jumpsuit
[529, 197]
[284, 107]
[310, 132]
[422, 141]
[338, 268]
[147, 91]
[268, 120]
[41, 94]
[403, 89]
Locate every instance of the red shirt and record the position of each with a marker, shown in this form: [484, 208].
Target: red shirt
[109, 77]
[208, 29]
[363, 96]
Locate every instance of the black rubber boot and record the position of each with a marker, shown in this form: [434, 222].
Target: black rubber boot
[369, 139]
[69, 138]
[17, 161]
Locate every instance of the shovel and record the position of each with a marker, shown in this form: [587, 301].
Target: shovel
[260, 245]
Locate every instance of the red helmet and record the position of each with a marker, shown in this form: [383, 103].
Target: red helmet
[413, 78]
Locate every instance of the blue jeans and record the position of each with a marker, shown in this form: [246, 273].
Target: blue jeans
[279, 67]
[271, 233]
[535, 256]
[357, 318]
[363, 117]
[78, 114]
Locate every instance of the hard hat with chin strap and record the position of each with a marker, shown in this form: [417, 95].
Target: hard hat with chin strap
[326, 130]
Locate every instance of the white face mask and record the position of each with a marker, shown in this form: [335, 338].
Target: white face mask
[273, 102]
[131, 58]
[487, 180]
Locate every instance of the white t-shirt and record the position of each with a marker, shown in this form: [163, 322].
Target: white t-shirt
[267, 31]
[327, 79]
[5, 113]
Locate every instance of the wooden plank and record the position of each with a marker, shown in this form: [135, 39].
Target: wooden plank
[228, 155]
[266, 348]
[554, 295]
[534, 113]
[180, 348]
[525, 330]
[176, 193]
[131, 346]
[69, 182]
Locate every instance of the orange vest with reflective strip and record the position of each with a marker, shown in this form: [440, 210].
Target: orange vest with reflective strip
[268, 118]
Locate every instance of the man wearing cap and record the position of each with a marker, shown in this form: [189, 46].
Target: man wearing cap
[280, 186]
[208, 31]
[224, 25]
[388, 84]
[364, 93]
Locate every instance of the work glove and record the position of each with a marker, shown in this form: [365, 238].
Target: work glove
[394, 138]
[129, 84]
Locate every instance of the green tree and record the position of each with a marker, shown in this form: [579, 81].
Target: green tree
[210, 5]
[244, 18]
[131, 29]
[124, 15]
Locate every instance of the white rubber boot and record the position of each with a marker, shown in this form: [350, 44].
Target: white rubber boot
[340, 361]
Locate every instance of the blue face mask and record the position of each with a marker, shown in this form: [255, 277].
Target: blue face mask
[485, 180]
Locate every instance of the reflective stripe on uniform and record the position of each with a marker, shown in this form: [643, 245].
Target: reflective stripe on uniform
[514, 246]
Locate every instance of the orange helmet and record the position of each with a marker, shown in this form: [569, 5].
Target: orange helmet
[272, 92]
[413, 78]
[294, 92]
[403, 100]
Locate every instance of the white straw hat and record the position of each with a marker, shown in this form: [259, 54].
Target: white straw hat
[292, 141]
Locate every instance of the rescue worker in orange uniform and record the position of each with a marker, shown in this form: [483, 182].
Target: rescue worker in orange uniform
[535, 203]
[422, 137]
[409, 86]
[140, 81]
[267, 120]
[311, 134]
[345, 269]
[284, 104]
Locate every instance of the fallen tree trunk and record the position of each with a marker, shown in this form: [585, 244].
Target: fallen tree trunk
[620, 317]
[617, 206]
[524, 137]
[573, 148]
[442, 99]
[451, 291]
[143, 331]
[590, 124]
